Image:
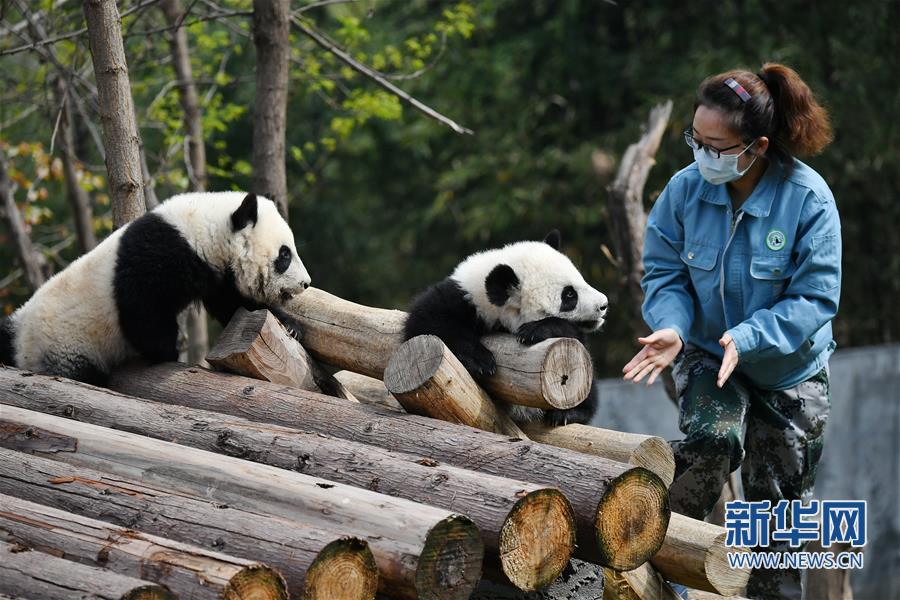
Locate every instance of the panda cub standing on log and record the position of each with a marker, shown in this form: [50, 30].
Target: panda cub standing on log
[120, 300]
[529, 289]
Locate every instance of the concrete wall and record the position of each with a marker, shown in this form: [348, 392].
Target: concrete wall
[861, 459]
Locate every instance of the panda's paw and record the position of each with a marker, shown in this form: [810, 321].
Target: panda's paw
[480, 363]
[532, 333]
[291, 325]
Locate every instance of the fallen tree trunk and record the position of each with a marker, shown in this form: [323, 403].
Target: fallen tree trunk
[29, 574]
[621, 512]
[420, 550]
[643, 583]
[427, 379]
[185, 570]
[317, 564]
[255, 344]
[529, 527]
[646, 451]
[552, 374]
[694, 554]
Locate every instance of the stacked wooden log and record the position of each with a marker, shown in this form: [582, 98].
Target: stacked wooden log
[288, 480]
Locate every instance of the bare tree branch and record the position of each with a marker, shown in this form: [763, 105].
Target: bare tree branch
[323, 42]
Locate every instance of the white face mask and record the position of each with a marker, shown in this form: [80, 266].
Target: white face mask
[722, 169]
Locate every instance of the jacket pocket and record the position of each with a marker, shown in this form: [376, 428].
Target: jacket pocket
[701, 262]
[770, 275]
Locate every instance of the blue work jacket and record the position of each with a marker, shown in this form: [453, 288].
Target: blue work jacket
[769, 274]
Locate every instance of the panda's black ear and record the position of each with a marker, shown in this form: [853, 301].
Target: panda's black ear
[553, 239]
[246, 213]
[500, 283]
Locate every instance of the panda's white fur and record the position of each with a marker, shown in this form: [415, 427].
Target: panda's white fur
[543, 271]
[73, 320]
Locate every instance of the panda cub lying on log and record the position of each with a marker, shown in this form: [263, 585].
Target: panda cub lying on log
[529, 289]
[120, 300]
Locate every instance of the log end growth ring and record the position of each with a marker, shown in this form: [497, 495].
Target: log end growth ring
[345, 568]
[451, 561]
[631, 519]
[566, 374]
[255, 582]
[538, 539]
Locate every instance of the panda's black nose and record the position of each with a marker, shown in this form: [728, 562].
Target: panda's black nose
[603, 307]
[305, 285]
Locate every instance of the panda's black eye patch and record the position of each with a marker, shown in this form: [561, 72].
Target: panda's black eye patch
[568, 300]
[284, 260]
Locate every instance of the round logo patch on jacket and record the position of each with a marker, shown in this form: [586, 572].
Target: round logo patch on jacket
[776, 240]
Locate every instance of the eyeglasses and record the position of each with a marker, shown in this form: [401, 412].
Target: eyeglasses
[693, 144]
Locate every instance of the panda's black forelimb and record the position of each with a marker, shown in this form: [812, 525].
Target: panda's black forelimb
[442, 310]
[544, 329]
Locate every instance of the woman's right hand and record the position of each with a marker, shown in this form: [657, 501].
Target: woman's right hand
[660, 349]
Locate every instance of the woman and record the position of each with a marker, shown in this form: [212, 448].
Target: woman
[742, 259]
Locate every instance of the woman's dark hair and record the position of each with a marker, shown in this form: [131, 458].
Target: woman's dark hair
[781, 107]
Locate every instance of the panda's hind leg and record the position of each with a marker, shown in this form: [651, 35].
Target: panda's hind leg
[77, 367]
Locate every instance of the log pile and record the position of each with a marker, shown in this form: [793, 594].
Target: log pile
[399, 475]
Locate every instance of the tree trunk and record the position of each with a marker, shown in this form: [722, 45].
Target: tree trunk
[271, 23]
[120, 135]
[33, 262]
[187, 571]
[420, 550]
[29, 574]
[646, 451]
[530, 527]
[255, 344]
[367, 389]
[82, 213]
[621, 512]
[197, 329]
[314, 561]
[427, 379]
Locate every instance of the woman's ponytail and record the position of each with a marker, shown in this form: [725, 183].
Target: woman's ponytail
[802, 127]
[778, 105]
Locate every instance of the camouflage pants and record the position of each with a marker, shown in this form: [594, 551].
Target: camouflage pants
[777, 455]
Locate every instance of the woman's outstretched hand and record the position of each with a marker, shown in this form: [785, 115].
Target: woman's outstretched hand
[729, 360]
[660, 349]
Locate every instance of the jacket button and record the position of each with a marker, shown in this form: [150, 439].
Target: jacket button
[776, 270]
[690, 256]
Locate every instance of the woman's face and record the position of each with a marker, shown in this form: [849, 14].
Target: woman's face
[710, 129]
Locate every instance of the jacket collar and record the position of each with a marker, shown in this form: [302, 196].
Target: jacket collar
[759, 204]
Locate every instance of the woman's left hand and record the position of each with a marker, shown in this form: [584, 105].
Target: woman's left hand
[729, 361]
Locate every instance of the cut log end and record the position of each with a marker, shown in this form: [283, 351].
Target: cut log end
[726, 580]
[538, 539]
[150, 592]
[567, 374]
[631, 519]
[450, 563]
[344, 569]
[257, 582]
[655, 454]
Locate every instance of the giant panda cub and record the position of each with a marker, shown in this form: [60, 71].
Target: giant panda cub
[530, 289]
[120, 300]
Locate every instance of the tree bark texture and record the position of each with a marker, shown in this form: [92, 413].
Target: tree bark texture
[309, 558]
[34, 575]
[186, 570]
[120, 134]
[531, 528]
[420, 550]
[271, 24]
[621, 511]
